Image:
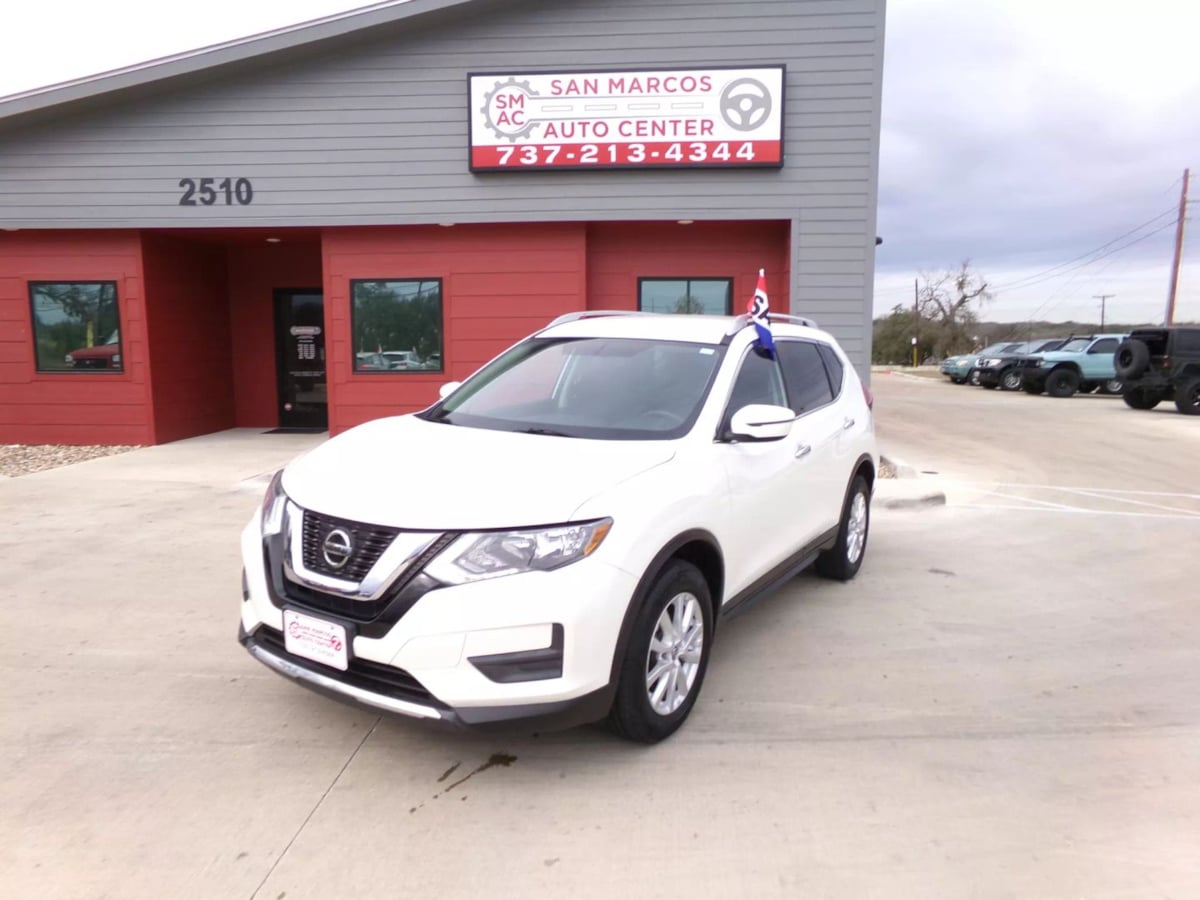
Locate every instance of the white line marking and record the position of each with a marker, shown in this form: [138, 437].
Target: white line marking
[1115, 499]
[1053, 487]
[1041, 503]
[1071, 509]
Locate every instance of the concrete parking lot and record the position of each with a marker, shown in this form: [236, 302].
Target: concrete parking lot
[1005, 703]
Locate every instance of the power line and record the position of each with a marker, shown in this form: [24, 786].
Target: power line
[1038, 277]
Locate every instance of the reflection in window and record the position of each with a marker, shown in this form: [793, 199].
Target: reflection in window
[697, 296]
[76, 326]
[397, 325]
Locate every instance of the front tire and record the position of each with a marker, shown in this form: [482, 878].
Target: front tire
[1011, 380]
[667, 656]
[1062, 383]
[1112, 386]
[843, 560]
[974, 378]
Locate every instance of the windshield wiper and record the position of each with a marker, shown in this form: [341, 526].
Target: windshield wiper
[546, 431]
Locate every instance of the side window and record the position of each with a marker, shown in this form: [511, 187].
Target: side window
[804, 372]
[1108, 345]
[833, 366]
[758, 381]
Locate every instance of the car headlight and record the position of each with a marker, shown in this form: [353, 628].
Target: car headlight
[1037, 363]
[273, 504]
[476, 556]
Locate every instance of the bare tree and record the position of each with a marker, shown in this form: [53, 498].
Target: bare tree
[948, 303]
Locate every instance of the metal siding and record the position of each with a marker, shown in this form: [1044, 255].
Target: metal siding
[373, 130]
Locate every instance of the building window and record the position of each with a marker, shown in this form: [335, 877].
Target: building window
[397, 325]
[709, 296]
[76, 327]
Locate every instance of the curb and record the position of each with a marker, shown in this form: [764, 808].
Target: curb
[906, 490]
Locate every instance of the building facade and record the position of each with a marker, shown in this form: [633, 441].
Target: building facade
[321, 225]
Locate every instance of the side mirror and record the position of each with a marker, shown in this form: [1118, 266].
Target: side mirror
[761, 422]
[448, 388]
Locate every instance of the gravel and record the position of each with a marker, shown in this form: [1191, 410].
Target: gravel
[22, 459]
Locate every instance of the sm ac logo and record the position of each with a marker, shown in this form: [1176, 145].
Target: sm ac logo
[507, 109]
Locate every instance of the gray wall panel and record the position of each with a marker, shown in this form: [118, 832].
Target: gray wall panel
[372, 129]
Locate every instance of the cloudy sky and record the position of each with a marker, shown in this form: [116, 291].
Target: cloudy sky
[1021, 134]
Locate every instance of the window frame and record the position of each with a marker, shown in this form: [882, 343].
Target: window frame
[687, 279]
[371, 373]
[111, 372]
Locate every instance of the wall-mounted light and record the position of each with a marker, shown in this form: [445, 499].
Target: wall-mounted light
[446, 224]
[686, 221]
[274, 240]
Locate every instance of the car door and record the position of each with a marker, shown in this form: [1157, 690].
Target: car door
[1097, 363]
[819, 427]
[767, 514]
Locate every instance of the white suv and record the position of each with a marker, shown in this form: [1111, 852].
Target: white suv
[556, 540]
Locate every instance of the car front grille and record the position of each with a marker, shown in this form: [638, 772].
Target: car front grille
[369, 542]
[362, 673]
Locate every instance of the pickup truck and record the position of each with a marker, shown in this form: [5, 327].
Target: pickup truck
[1082, 364]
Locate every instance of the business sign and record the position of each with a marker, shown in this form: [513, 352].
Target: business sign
[683, 118]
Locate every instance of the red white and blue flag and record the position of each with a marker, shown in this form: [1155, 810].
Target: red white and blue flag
[759, 310]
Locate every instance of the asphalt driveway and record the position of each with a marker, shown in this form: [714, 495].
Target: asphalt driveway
[1004, 704]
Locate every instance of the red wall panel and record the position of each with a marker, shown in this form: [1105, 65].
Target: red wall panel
[500, 282]
[190, 350]
[254, 271]
[77, 407]
[619, 253]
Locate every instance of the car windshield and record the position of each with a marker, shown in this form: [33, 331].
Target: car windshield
[601, 388]
[994, 348]
[1076, 345]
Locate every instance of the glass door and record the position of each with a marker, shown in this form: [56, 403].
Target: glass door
[300, 358]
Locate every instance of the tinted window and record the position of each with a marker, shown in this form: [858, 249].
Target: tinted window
[708, 296]
[1108, 345]
[403, 318]
[758, 381]
[76, 327]
[1187, 341]
[804, 373]
[833, 367]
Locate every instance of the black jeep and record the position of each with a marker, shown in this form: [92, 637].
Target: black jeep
[1158, 364]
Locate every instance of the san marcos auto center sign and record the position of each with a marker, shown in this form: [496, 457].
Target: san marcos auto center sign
[714, 117]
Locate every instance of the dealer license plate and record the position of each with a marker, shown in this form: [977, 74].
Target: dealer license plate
[315, 639]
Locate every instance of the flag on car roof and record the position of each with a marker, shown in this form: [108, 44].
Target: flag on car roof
[759, 310]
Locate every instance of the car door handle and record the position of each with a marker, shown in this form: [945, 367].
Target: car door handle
[803, 450]
[847, 423]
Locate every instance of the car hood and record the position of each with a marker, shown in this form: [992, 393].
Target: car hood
[410, 473]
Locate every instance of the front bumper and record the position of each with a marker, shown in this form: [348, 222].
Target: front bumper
[538, 647]
[412, 701]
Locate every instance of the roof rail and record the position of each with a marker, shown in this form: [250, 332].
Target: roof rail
[743, 320]
[596, 314]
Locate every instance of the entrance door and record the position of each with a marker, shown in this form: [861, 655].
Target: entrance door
[300, 358]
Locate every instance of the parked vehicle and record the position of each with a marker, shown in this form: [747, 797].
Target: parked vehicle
[1158, 364]
[372, 362]
[101, 356]
[558, 539]
[1081, 364]
[1003, 369]
[402, 359]
[959, 369]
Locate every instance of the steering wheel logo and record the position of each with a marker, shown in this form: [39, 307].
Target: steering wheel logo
[745, 104]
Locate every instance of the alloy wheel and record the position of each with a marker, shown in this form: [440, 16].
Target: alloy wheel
[856, 532]
[676, 648]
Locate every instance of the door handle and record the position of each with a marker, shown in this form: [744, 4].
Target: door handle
[847, 423]
[803, 450]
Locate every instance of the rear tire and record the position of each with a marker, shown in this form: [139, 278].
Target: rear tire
[1062, 383]
[673, 631]
[1187, 396]
[1088, 387]
[842, 561]
[1139, 398]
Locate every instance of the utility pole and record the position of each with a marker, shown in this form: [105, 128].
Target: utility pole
[1102, 298]
[1174, 286]
[916, 321]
